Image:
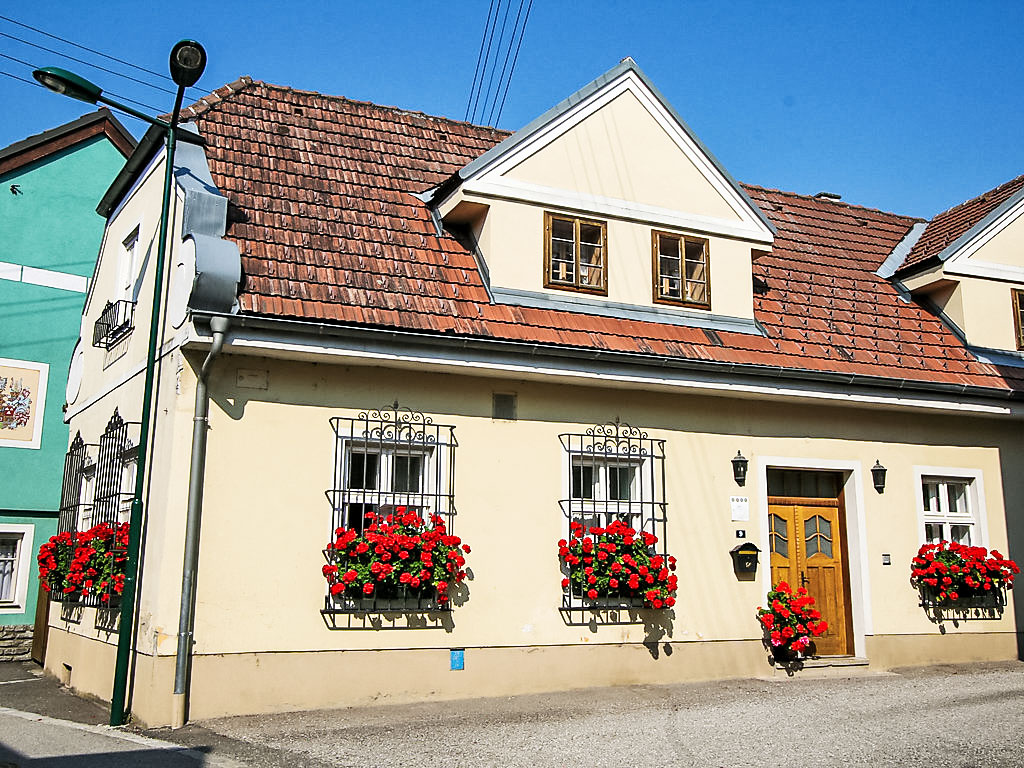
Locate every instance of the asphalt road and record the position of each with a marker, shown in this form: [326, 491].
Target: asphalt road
[966, 715]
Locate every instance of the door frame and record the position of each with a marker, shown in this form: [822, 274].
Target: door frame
[852, 499]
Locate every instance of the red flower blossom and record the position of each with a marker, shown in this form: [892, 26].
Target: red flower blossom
[616, 562]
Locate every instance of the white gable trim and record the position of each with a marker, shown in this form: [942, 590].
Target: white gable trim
[960, 261]
[487, 177]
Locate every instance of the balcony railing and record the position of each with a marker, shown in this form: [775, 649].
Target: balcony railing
[115, 323]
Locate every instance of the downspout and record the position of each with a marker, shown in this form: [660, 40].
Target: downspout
[186, 616]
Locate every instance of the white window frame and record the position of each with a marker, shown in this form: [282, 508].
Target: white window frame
[602, 484]
[384, 494]
[86, 497]
[128, 265]
[633, 511]
[22, 566]
[978, 519]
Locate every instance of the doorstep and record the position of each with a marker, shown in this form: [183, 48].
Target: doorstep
[823, 667]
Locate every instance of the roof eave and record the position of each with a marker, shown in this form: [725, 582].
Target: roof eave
[868, 382]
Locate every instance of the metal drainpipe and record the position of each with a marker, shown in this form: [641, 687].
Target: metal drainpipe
[186, 616]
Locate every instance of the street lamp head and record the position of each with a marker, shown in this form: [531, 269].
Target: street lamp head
[68, 83]
[188, 60]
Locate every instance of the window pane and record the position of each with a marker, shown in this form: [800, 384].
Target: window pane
[563, 253]
[930, 493]
[407, 474]
[957, 496]
[591, 266]
[812, 546]
[8, 565]
[778, 540]
[961, 534]
[590, 234]
[582, 481]
[356, 515]
[933, 532]
[362, 470]
[620, 483]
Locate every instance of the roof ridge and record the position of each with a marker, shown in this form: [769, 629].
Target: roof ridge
[388, 107]
[976, 198]
[830, 201]
[206, 103]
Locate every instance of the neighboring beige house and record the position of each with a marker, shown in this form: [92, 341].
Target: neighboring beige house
[585, 319]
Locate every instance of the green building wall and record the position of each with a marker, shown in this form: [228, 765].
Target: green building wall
[47, 221]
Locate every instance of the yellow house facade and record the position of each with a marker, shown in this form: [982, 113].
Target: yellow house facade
[587, 320]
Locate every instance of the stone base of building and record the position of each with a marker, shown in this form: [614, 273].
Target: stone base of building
[16, 642]
[265, 682]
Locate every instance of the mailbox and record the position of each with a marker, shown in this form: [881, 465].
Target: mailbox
[744, 558]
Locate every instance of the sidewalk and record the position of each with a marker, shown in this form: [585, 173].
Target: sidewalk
[944, 717]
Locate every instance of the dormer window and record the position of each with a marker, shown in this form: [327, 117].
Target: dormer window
[681, 271]
[1018, 317]
[575, 254]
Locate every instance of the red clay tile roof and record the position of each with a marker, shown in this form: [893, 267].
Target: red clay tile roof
[949, 225]
[334, 233]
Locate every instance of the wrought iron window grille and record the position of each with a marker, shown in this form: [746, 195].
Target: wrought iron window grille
[98, 485]
[386, 459]
[989, 605]
[614, 471]
[115, 322]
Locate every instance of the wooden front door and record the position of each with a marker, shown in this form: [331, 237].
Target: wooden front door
[807, 549]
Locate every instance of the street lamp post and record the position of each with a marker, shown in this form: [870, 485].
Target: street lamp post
[187, 62]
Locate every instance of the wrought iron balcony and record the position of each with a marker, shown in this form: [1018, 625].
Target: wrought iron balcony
[115, 323]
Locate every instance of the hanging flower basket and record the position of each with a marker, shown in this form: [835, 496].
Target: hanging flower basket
[399, 562]
[789, 622]
[952, 575]
[87, 566]
[617, 565]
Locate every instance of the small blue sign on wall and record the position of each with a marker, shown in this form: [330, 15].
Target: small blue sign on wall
[458, 659]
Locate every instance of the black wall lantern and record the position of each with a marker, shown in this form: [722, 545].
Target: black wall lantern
[739, 469]
[744, 559]
[878, 476]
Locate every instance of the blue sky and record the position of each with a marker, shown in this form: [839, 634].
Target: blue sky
[910, 107]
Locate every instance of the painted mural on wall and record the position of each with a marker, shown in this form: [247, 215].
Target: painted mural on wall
[22, 400]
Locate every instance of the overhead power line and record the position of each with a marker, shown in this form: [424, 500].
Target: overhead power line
[479, 56]
[493, 74]
[86, 63]
[514, 60]
[81, 47]
[504, 64]
[117, 96]
[22, 79]
[487, 57]
[497, 53]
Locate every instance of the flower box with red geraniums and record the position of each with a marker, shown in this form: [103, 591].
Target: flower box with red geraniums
[790, 621]
[949, 574]
[77, 566]
[617, 564]
[398, 558]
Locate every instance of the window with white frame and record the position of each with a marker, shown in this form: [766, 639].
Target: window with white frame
[15, 563]
[390, 458]
[615, 472]
[128, 266]
[948, 510]
[86, 495]
[10, 547]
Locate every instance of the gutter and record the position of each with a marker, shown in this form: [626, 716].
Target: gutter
[186, 615]
[533, 349]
